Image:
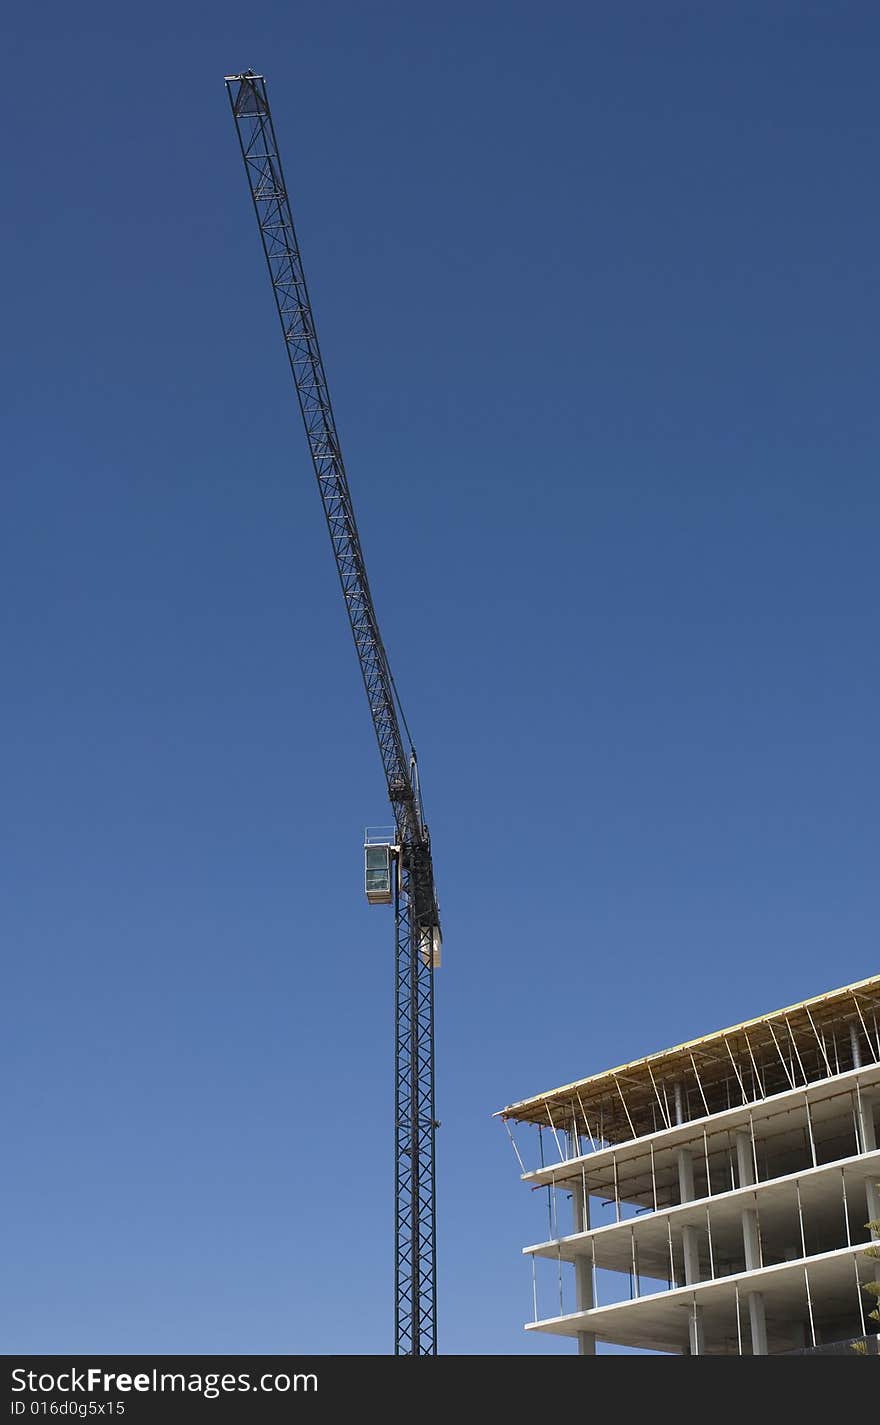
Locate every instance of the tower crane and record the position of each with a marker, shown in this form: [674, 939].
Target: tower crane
[399, 867]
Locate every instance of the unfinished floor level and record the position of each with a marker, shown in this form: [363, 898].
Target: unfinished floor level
[719, 1197]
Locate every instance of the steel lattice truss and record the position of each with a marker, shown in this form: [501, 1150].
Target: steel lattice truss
[415, 1248]
[416, 915]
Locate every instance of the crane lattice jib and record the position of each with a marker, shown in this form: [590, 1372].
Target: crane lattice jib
[256, 132]
[417, 928]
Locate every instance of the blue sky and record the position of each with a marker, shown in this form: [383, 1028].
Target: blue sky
[597, 288]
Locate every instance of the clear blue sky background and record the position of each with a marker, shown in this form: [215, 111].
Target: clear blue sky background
[597, 287]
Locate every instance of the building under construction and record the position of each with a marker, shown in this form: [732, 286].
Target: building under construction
[717, 1198]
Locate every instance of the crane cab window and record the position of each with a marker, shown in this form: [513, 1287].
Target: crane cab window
[377, 874]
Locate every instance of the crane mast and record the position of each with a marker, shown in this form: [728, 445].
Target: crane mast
[412, 892]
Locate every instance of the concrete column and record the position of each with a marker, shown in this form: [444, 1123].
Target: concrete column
[758, 1323]
[745, 1162]
[868, 1144]
[583, 1272]
[690, 1240]
[690, 1243]
[580, 1207]
[872, 1194]
[689, 1235]
[856, 1046]
[751, 1246]
[686, 1193]
[685, 1160]
[679, 1102]
[695, 1331]
[745, 1167]
[586, 1343]
[751, 1239]
[867, 1130]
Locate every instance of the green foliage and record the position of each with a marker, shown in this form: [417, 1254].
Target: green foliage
[873, 1288]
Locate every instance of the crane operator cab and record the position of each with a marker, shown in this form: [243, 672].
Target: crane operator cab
[377, 865]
